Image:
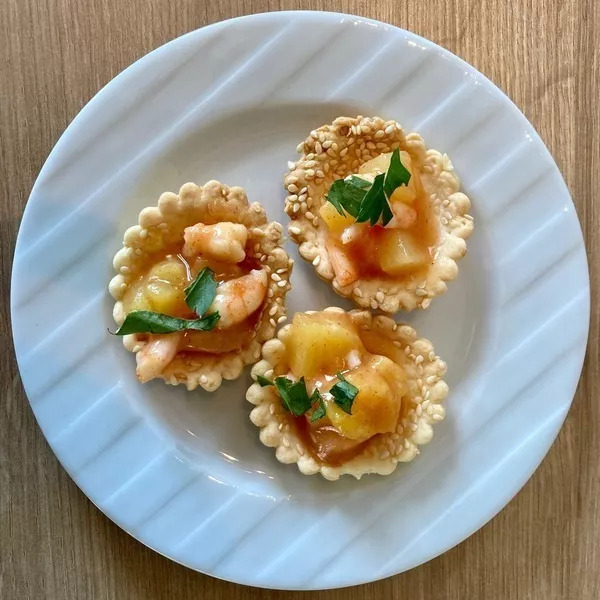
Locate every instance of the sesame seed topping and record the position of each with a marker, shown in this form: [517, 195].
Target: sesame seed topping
[293, 188]
[316, 260]
[294, 230]
[282, 283]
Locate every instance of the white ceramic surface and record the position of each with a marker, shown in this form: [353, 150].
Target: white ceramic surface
[185, 472]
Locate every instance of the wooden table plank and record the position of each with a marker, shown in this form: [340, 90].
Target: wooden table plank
[56, 55]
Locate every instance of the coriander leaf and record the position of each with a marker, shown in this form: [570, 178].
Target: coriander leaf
[344, 394]
[263, 381]
[397, 174]
[319, 411]
[294, 396]
[146, 321]
[201, 293]
[373, 203]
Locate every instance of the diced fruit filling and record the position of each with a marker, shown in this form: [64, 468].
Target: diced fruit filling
[399, 248]
[326, 348]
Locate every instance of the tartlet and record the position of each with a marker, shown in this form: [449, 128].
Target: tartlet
[338, 151]
[390, 423]
[152, 272]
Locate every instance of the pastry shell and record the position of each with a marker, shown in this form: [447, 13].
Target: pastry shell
[337, 150]
[162, 226]
[421, 407]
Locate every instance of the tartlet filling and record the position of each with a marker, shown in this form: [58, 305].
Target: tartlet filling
[346, 393]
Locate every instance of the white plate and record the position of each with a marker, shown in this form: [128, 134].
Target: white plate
[185, 472]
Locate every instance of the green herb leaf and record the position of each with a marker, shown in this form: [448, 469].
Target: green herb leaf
[146, 321]
[347, 194]
[263, 381]
[344, 394]
[294, 396]
[201, 293]
[397, 174]
[319, 411]
[359, 182]
[374, 202]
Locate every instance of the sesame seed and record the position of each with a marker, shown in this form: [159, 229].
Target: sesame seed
[413, 426]
[397, 343]
[420, 292]
[316, 260]
[293, 188]
[379, 296]
[389, 129]
[374, 304]
[281, 319]
[419, 359]
[309, 215]
[291, 165]
[282, 283]
[320, 174]
[358, 293]
[296, 208]
[275, 277]
[273, 323]
[294, 230]
[300, 147]
[344, 152]
[327, 144]
[292, 198]
[318, 148]
[203, 379]
[310, 173]
[272, 310]
[304, 190]
[437, 417]
[309, 164]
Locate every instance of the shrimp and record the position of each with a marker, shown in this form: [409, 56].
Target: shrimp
[223, 241]
[345, 270]
[238, 298]
[154, 357]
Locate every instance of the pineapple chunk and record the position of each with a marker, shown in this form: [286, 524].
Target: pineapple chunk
[400, 253]
[375, 409]
[165, 298]
[335, 222]
[171, 271]
[136, 299]
[391, 371]
[377, 165]
[319, 343]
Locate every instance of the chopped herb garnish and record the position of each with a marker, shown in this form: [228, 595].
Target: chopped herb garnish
[371, 208]
[146, 321]
[198, 296]
[396, 175]
[366, 201]
[201, 293]
[347, 194]
[344, 394]
[320, 410]
[263, 381]
[294, 396]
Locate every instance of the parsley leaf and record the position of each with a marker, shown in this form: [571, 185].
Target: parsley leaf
[146, 321]
[294, 396]
[369, 202]
[347, 194]
[344, 394]
[396, 175]
[263, 381]
[320, 410]
[201, 293]
[372, 205]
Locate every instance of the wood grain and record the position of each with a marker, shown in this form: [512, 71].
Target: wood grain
[55, 55]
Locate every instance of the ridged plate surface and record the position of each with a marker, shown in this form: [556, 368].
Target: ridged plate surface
[185, 472]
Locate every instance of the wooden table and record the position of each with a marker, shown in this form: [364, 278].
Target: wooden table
[56, 55]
